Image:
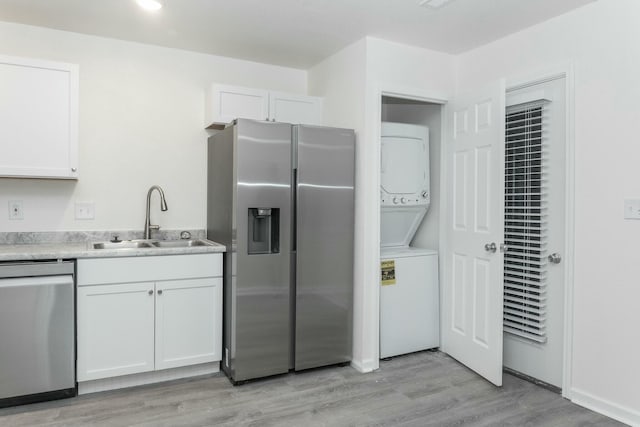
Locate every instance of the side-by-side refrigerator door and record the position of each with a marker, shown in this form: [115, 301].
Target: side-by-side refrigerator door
[324, 245]
[263, 226]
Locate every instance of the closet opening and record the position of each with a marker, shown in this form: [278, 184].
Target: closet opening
[411, 140]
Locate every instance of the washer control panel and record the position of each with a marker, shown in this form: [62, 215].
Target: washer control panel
[395, 200]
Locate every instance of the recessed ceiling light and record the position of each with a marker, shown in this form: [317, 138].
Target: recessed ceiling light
[150, 5]
[434, 4]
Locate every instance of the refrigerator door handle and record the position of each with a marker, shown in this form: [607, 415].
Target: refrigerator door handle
[294, 208]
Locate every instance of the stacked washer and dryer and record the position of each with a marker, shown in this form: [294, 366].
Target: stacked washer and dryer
[409, 296]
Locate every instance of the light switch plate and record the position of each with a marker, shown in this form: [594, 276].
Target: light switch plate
[631, 208]
[85, 210]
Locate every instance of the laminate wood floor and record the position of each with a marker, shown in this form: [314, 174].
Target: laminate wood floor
[421, 389]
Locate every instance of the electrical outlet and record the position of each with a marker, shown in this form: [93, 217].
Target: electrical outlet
[85, 210]
[15, 209]
[631, 208]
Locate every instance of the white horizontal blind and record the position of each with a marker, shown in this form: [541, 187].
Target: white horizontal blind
[525, 260]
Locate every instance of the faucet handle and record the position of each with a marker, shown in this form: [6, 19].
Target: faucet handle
[116, 239]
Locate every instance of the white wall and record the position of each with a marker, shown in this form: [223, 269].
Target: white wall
[340, 79]
[601, 40]
[402, 68]
[141, 123]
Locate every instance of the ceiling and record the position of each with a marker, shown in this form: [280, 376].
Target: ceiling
[294, 33]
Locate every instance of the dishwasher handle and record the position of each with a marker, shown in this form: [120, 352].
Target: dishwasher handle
[17, 282]
[34, 269]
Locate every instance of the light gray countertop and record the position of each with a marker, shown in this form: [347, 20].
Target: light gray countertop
[41, 246]
[82, 250]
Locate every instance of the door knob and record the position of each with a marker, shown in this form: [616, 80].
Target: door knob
[554, 258]
[490, 247]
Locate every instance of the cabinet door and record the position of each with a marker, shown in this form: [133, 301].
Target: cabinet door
[115, 330]
[38, 118]
[295, 109]
[188, 322]
[232, 102]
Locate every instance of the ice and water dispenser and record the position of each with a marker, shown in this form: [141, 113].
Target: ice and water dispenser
[264, 231]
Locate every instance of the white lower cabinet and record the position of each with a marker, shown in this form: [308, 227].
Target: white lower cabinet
[172, 320]
[188, 322]
[115, 330]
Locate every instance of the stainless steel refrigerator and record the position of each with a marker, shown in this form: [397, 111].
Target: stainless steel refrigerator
[281, 198]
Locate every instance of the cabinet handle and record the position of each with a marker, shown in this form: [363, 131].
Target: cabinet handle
[150, 292]
[159, 291]
[74, 169]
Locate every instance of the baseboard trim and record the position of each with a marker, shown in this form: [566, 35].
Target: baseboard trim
[605, 407]
[363, 366]
[144, 378]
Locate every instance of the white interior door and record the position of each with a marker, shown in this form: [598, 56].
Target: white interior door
[535, 230]
[472, 288]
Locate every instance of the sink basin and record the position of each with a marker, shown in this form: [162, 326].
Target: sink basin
[141, 244]
[125, 244]
[180, 243]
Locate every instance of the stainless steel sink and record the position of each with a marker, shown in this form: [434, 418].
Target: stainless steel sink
[125, 244]
[142, 244]
[181, 243]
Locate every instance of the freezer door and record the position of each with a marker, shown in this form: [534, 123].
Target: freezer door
[324, 245]
[259, 303]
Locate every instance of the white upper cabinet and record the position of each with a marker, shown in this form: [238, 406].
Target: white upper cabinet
[295, 109]
[38, 118]
[227, 103]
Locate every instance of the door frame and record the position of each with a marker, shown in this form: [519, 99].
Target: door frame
[566, 71]
[410, 94]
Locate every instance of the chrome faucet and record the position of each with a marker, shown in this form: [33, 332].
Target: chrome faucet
[163, 207]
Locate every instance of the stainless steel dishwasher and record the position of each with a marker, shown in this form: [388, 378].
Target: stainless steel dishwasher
[37, 332]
